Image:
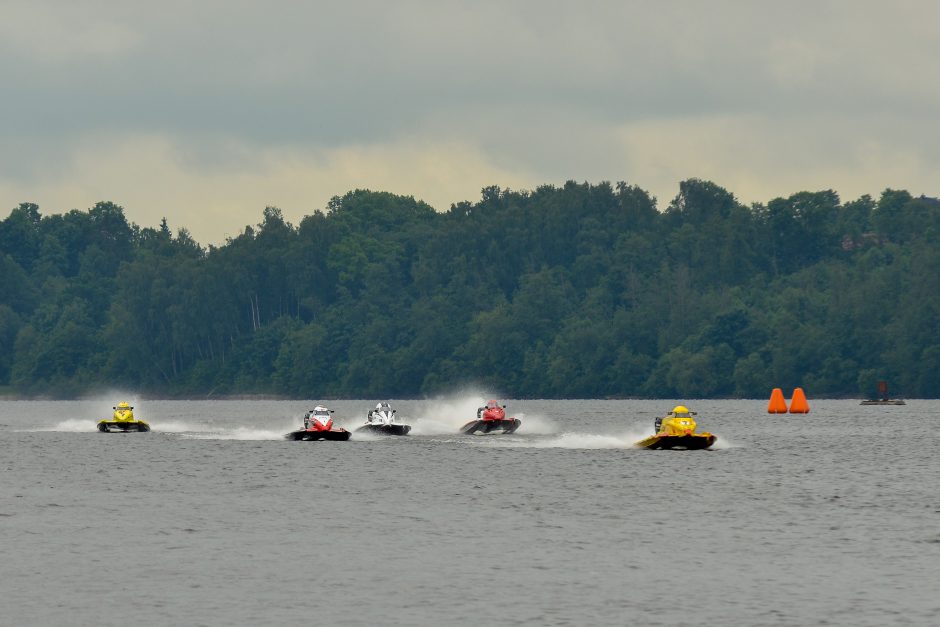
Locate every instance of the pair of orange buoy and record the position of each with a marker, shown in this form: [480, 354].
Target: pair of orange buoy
[778, 405]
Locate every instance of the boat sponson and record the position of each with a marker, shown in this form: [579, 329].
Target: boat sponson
[123, 426]
[490, 427]
[386, 429]
[303, 434]
[690, 442]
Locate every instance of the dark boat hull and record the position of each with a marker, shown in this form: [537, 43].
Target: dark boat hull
[123, 426]
[678, 442]
[884, 401]
[490, 427]
[386, 429]
[303, 434]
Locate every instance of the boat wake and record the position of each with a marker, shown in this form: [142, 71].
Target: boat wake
[536, 424]
[569, 440]
[197, 431]
[369, 436]
[72, 425]
[723, 444]
[191, 430]
[238, 433]
[445, 416]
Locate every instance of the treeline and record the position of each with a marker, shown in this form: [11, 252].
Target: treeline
[579, 291]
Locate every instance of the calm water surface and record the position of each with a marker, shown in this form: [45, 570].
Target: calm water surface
[831, 518]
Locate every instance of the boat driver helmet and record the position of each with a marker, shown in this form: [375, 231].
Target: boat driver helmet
[378, 406]
[681, 410]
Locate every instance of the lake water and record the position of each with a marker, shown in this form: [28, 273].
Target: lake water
[830, 518]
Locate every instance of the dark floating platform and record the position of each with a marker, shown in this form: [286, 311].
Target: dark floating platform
[393, 429]
[689, 442]
[123, 426]
[487, 427]
[303, 434]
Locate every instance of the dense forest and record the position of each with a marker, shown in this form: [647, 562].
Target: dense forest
[576, 291]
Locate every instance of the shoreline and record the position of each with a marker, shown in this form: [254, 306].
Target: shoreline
[277, 397]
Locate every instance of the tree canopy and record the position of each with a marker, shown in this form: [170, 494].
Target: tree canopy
[583, 290]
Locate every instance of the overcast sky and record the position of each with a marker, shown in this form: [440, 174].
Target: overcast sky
[205, 112]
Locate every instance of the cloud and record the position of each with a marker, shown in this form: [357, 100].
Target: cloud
[57, 34]
[153, 177]
[206, 112]
[760, 157]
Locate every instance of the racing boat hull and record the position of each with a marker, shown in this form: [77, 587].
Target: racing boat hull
[123, 426]
[688, 442]
[884, 401]
[303, 434]
[490, 427]
[385, 429]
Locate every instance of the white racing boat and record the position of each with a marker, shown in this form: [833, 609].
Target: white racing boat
[382, 420]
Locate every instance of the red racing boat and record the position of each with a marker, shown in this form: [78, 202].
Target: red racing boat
[491, 419]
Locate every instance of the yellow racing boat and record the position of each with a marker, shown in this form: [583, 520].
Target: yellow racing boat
[122, 421]
[677, 430]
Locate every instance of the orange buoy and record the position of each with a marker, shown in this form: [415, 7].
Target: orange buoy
[777, 404]
[798, 404]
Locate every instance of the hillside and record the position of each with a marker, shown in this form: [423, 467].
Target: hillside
[575, 291]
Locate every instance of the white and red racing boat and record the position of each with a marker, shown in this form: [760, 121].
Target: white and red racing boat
[491, 420]
[318, 425]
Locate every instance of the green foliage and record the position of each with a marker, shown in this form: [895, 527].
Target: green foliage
[16, 289]
[9, 327]
[573, 291]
